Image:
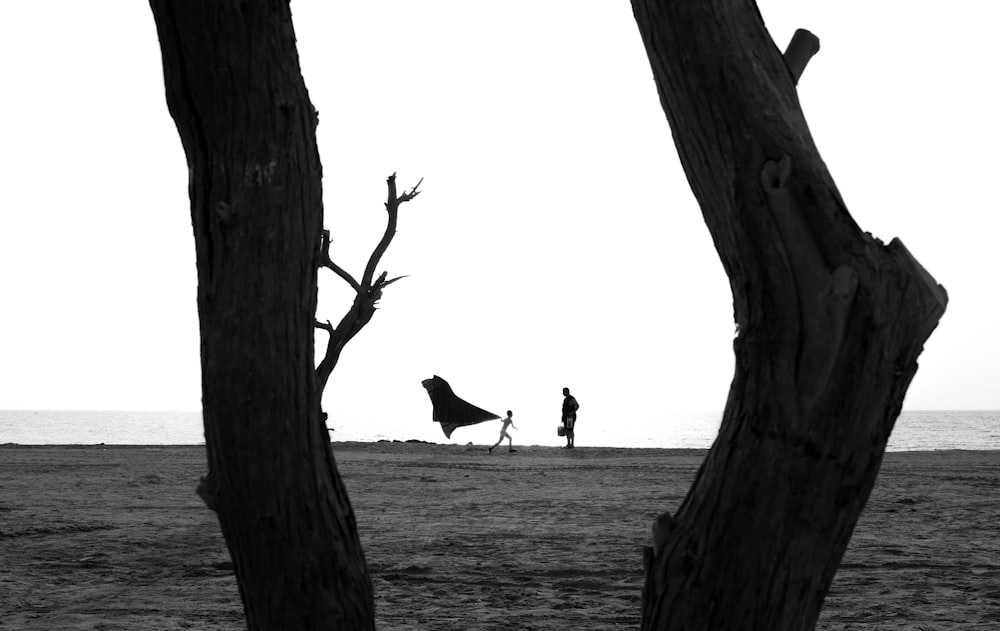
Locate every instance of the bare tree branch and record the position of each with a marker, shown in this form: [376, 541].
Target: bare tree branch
[392, 205]
[333, 347]
[367, 292]
[326, 261]
[800, 50]
[386, 283]
[325, 326]
[405, 197]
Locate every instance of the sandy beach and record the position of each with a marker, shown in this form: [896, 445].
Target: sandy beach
[115, 538]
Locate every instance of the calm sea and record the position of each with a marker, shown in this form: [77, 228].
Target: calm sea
[917, 430]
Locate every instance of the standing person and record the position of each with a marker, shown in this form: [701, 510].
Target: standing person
[507, 422]
[570, 406]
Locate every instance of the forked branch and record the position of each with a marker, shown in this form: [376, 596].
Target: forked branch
[392, 207]
[326, 261]
[367, 292]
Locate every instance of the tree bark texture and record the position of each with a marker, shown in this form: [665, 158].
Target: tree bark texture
[236, 94]
[830, 324]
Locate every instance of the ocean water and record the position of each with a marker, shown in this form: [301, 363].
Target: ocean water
[914, 431]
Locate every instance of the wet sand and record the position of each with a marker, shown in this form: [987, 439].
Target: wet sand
[115, 538]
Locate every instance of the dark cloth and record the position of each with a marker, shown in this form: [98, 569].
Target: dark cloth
[451, 411]
[569, 408]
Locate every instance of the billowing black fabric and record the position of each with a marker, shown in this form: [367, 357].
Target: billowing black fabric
[451, 411]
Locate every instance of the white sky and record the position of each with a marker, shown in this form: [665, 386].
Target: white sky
[556, 243]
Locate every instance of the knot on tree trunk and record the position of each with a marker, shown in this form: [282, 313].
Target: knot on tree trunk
[824, 295]
[210, 491]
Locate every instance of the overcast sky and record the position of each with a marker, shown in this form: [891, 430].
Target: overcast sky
[556, 243]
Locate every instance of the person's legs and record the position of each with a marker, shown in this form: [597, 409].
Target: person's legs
[503, 435]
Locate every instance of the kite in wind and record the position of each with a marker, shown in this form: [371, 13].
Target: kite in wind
[451, 411]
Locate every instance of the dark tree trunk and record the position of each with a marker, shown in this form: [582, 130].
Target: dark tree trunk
[236, 93]
[830, 324]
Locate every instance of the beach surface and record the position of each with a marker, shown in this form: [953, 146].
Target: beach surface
[114, 537]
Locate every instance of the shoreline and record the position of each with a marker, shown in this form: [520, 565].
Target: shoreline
[470, 448]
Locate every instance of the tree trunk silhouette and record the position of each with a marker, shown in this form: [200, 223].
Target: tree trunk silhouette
[830, 323]
[235, 91]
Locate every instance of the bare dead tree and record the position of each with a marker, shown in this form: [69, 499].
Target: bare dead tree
[367, 292]
[830, 324]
